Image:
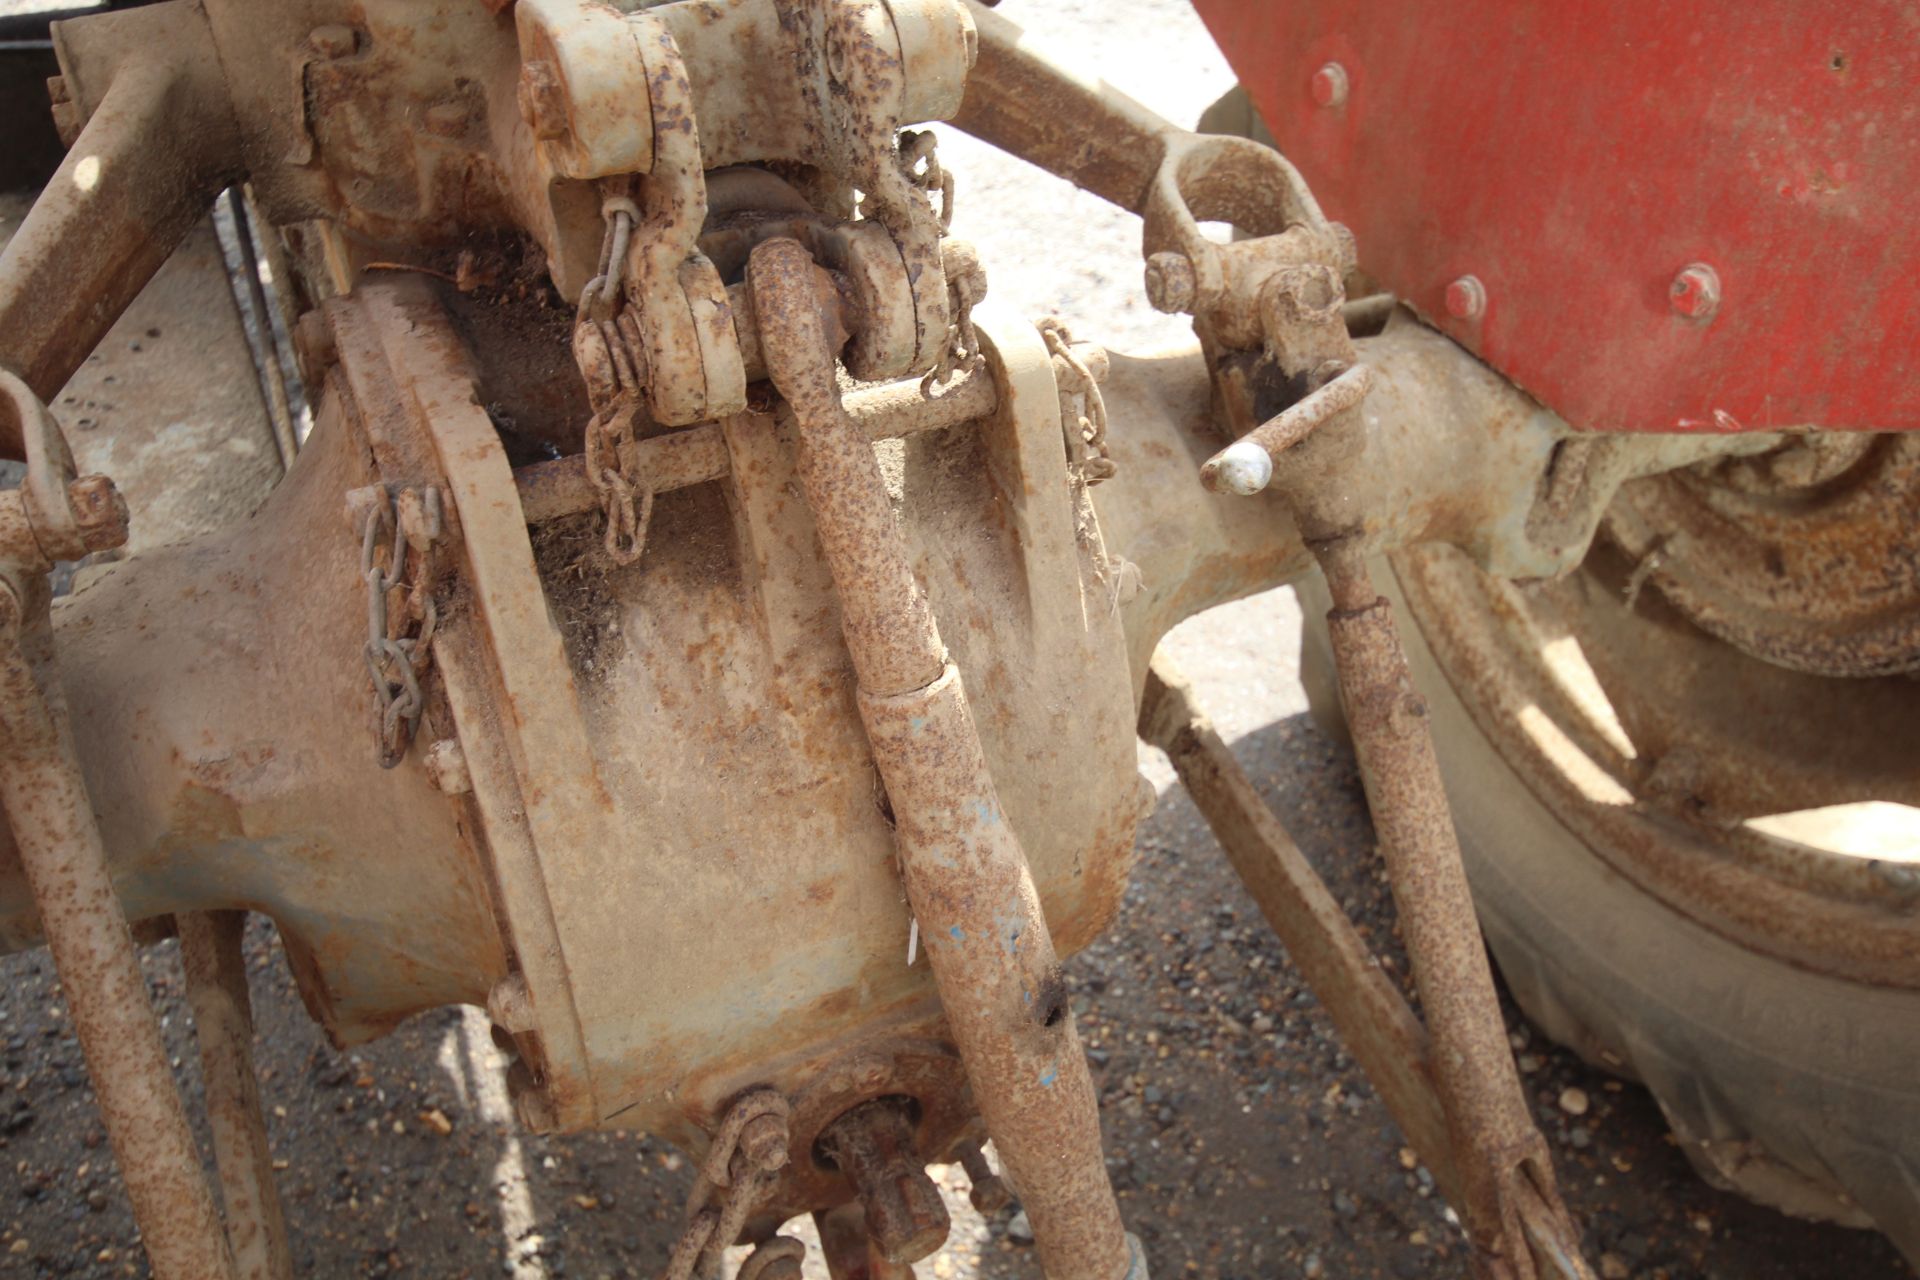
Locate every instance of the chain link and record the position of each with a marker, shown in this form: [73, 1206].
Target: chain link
[920, 163]
[627, 501]
[733, 1179]
[602, 294]
[1087, 438]
[396, 661]
[608, 346]
[962, 351]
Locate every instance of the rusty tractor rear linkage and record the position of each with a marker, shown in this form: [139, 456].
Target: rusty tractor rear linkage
[894, 614]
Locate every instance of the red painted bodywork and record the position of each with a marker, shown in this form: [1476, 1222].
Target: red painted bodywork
[1576, 156]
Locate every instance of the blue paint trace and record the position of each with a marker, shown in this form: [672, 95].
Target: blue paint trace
[1048, 1077]
[959, 934]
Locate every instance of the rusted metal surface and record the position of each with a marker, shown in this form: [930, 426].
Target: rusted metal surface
[873, 1146]
[629, 638]
[156, 149]
[849, 1254]
[552, 490]
[965, 874]
[1807, 556]
[988, 1194]
[1656, 743]
[739, 1169]
[1479, 1086]
[1373, 1018]
[777, 1259]
[1103, 141]
[1371, 1015]
[216, 973]
[1235, 470]
[64, 860]
[1276, 338]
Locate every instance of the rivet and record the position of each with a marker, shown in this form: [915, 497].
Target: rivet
[1466, 298]
[1695, 292]
[1330, 85]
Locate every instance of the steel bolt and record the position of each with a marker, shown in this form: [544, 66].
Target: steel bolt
[99, 512]
[543, 101]
[873, 1146]
[1330, 85]
[989, 1194]
[1695, 292]
[1170, 282]
[334, 40]
[764, 1143]
[1466, 298]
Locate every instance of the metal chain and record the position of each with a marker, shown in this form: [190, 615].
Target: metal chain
[732, 1180]
[627, 501]
[921, 165]
[395, 662]
[608, 347]
[920, 162]
[1090, 431]
[776, 1259]
[962, 351]
[602, 293]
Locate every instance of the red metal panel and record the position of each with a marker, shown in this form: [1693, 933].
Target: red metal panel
[1576, 157]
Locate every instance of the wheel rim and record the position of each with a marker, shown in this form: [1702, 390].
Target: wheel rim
[1733, 789]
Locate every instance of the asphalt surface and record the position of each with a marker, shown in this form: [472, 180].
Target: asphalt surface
[1243, 1141]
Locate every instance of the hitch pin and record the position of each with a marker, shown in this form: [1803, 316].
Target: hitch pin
[1245, 467]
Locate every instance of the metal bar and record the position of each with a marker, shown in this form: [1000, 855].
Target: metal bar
[147, 165]
[1486, 1112]
[966, 877]
[1085, 131]
[1235, 470]
[223, 1024]
[695, 455]
[849, 1253]
[261, 342]
[65, 863]
[1373, 1018]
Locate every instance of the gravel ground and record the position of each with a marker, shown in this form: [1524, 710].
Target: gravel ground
[1245, 1143]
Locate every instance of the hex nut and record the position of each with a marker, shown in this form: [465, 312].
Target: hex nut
[1170, 282]
[99, 512]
